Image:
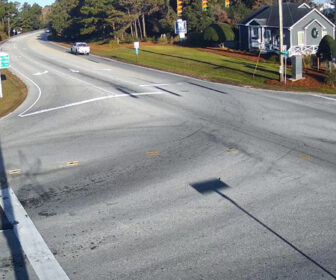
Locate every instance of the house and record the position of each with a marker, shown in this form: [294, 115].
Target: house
[303, 29]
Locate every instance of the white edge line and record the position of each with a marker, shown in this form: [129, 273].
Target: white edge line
[154, 85]
[324, 97]
[35, 84]
[89, 101]
[39, 255]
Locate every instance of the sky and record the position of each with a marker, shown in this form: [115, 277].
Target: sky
[40, 2]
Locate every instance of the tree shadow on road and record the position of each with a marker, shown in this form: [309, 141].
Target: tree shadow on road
[216, 185]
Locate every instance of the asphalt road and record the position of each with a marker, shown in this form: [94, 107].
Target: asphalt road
[132, 173]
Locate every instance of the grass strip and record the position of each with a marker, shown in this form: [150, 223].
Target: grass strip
[192, 62]
[14, 92]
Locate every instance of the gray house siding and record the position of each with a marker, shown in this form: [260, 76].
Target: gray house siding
[303, 29]
[310, 19]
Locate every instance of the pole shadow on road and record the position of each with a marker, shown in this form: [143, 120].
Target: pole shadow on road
[17, 254]
[209, 88]
[216, 185]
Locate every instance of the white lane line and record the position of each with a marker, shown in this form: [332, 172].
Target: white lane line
[39, 255]
[35, 84]
[154, 85]
[89, 101]
[324, 97]
[71, 77]
[74, 71]
[105, 69]
[41, 73]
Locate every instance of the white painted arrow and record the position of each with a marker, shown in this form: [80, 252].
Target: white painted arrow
[40, 73]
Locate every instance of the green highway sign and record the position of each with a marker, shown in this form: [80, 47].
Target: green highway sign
[4, 60]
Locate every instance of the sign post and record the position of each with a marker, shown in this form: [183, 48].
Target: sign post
[285, 55]
[181, 28]
[4, 63]
[136, 46]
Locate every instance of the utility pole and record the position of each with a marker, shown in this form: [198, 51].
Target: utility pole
[8, 26]
[281, 69]
[334, 56]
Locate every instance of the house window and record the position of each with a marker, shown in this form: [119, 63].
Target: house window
[301, 38]
[268, 36]
[255, 33]
[324, 32]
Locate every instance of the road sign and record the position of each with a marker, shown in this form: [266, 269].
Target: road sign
[285, 53]
[4, 60]
[4, 63]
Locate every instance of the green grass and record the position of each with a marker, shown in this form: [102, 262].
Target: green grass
[14, 93]
[196, 63]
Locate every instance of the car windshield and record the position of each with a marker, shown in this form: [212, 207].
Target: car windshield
[82, 45]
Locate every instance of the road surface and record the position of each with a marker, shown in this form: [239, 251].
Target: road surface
[132, 173]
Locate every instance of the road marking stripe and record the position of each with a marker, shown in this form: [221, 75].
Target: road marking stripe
[39, 255]
[41, 73]
[35, 84]
[72, 163]
[232, 150]
[74, 71]
[89, 101]
[324, 97]
[306, 157]
[154, 85]
[14, 171]
[153, 153]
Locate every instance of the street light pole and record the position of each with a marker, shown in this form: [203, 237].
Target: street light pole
[281, 70]
[334, 56]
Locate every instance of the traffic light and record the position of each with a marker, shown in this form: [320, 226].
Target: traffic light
[204, 5]
[179, 7]
[227, 3]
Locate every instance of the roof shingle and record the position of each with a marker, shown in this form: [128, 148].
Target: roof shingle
[269, 15]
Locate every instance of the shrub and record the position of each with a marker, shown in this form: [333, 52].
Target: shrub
[272, 58]
[210, 34]
[331, 78]
[223, 30]
[195, 39]
[162, 39]
[226, 33]
[326, 48]
[308, 60]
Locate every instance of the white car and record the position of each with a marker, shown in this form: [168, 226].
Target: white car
[80, 48]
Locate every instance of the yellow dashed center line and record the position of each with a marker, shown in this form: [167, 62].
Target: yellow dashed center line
[72, 163]
[153, 153]
[232, 150]
[14, 171]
